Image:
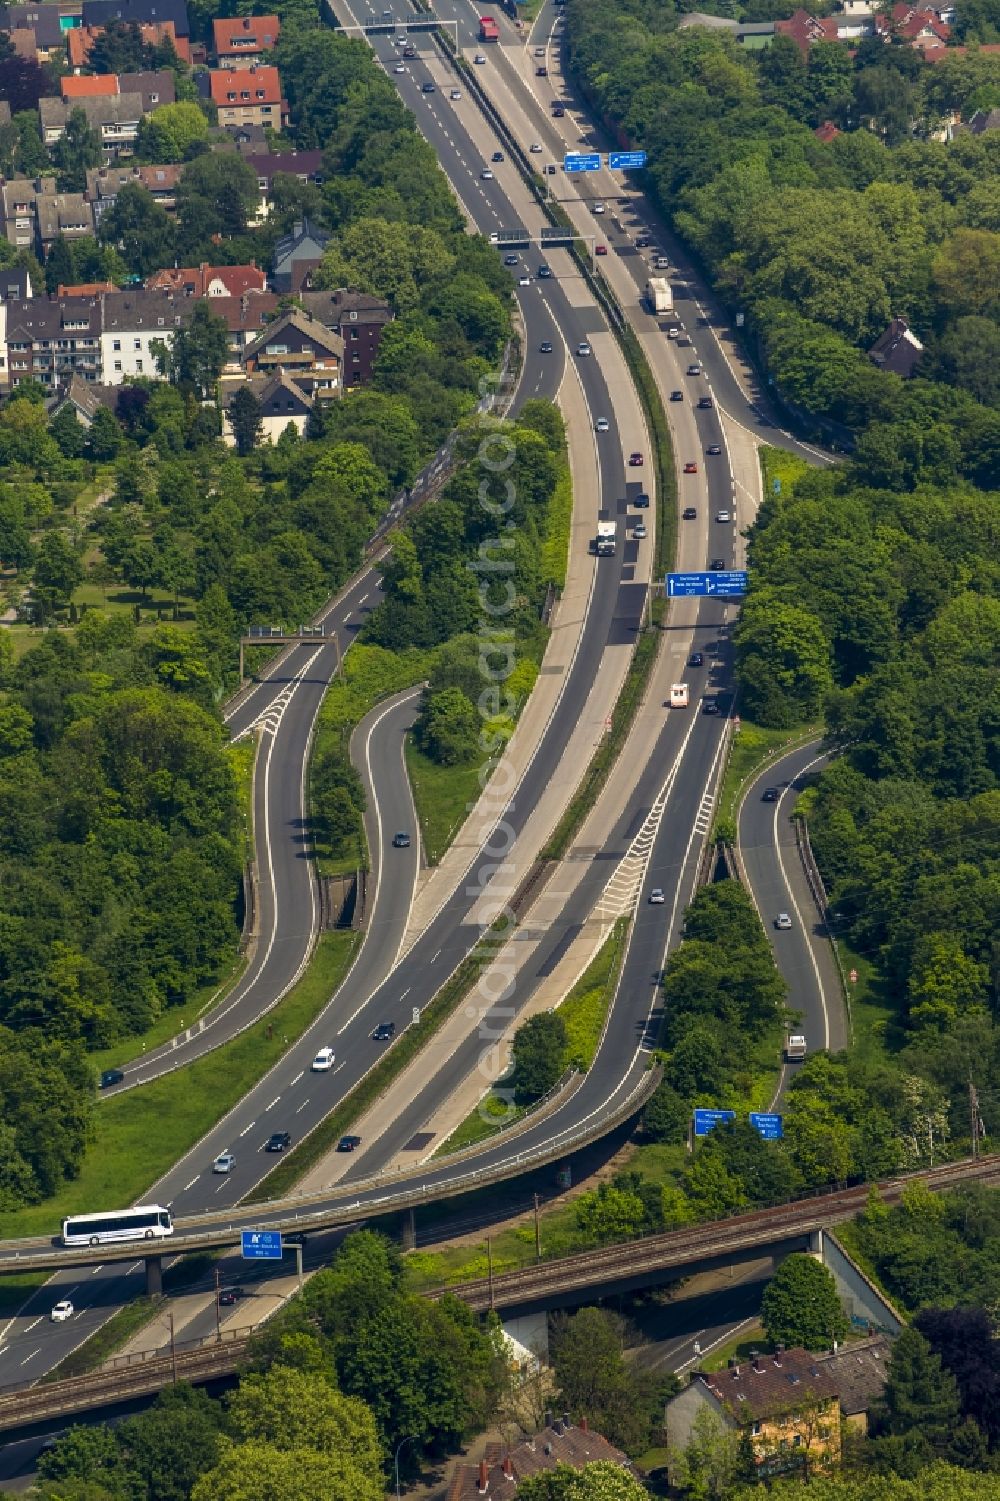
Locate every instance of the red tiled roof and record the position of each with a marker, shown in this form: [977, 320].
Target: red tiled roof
[805, 28]
[769, 1386]
[87, 289]
[80, 39]
[195, 280]
[499, 1476]
[246, 314]
[826, 132]
[234, 35]
[235, 87]
[91, 86]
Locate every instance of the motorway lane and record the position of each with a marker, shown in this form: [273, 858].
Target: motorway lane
[766, 838]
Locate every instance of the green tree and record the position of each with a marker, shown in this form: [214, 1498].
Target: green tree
[105, 438]
[610, 1214]
[599, 1481]
[217, 195]
[257, 1471]
[69, 432]
[140, 228]
[538, 1051]
[77, 150]
[196, 354]
[966, 272]
[783, 661]
[170, 132]
[57, 573]
[447, 727]
[801, 1306]
[294, 1409]
[171, 1445]
[920, 1395]
[59, 268]
[667, 1116]
[712, 1462]
[244, 412]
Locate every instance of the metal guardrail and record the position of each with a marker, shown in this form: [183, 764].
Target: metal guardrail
[817, 890]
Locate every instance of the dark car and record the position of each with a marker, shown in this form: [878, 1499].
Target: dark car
[770, 794]
[111, 1076]
[230, 1295]
[558, 111]
[401, 841]
[384, 1032]
[545, 347]
[717, 565]
[511, 260]
[641, 501]
[409, 51]
[695, 659]
[428, 88]
[541, 71]
[544, 271]
[348, 1143]
[278, 1141]
[714, 449]
[689, 514]
[642, 242]
[677, 396]
[705, 402]
[710, 706]
[497, 156]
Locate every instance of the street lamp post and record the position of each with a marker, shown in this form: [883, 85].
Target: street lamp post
[399, 1449]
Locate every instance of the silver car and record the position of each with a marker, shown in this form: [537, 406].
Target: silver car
[224, 1163]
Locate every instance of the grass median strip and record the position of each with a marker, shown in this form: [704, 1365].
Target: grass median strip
[324, 1137]
[142, 1133]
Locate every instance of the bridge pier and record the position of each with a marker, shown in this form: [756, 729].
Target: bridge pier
[816, 1244]
[154, 1276]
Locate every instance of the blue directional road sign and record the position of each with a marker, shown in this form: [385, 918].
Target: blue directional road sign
[626, 161]
[707, 1120]
[260, 1245]
[582, 161]
[726, 584]
[769, 1126]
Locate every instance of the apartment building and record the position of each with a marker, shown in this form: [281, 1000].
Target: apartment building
[132, 322]
[209, 281]
[115, 117]
[241, 40]
[34, 214]
[246, 96]
[105, 183]
[52, 339]
[359, 319]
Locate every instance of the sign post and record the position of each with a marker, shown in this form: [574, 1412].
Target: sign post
[260, 1245]
[769, 1126]
[626, 161]
[726, 583]
[707, 1120]
[582, 161]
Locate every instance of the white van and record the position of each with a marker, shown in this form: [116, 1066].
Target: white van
[323, 1061]
[679, 696]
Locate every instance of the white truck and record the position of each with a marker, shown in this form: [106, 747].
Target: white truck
[658, 295]
[795, 1047]
[604, 543]
[679, 696]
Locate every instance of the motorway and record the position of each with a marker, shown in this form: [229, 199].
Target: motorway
[290, 1098]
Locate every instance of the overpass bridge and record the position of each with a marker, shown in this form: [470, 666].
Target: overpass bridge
[545, 1284]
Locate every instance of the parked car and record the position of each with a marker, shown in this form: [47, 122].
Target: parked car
[600, 249]
[497, 156]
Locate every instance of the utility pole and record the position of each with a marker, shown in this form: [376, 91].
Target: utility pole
[218, 1310]
[489, 1268]
[173, 1347]
[976, 1119]
[538, 1233]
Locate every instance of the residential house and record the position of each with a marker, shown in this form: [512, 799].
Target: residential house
[51, 339]
[139, 13]
[133, 321]
[897, 349]
[244, 317]
[980, 122]
[805, 28]
[246, 138]
[209, 281]
[500, 1472]
[115, 117]
[84, 398]
[246, 96]
[153, 88]
[785, 1405]
[43, 24]
[826, 132]
[80, 40]
[300, 346]
[360, 319]
[15, 287]
[920, 26]
[282, 401]
[86, 289]
[34, 214]
[859, 1372]
[105, 183]
[240, 40]
[297, 255]
[304, 166]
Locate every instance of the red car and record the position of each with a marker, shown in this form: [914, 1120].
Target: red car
[690, 468]
[635, 460]
[600, 249]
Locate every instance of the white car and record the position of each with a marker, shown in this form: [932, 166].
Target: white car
[62, 1311]
[673, 333]
[486, 175]
[479, 59]
[602, 425]
[583, 350]
[455, 94]
[782, 922]
[399, 68]
[656, 897]
[224, 1163]
[323, 1062]
[723, 516]
[598, 208]
[494, 237]
[535, 148]
[524, 281]
[639, 531]
[539, 51]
